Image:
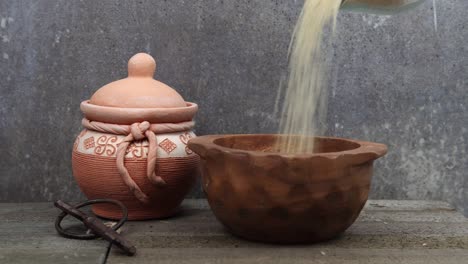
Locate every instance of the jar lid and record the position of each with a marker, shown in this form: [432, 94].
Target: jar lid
[138, 98]
[139, 89]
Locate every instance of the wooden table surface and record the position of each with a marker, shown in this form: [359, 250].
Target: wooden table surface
[386, 232]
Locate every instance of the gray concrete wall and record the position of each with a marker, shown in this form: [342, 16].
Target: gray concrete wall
[395, 80]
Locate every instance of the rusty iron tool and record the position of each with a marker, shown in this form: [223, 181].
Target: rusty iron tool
[98, 228]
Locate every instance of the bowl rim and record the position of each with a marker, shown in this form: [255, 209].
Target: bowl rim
[371, 149]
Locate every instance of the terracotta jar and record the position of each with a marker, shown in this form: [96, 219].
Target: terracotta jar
[134, 145]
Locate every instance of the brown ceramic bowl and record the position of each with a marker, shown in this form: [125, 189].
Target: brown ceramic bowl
[267, 196]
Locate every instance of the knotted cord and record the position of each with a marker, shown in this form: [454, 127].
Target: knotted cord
[135, 132]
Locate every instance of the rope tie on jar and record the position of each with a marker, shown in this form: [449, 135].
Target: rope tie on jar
[135, 132]
[139, 131]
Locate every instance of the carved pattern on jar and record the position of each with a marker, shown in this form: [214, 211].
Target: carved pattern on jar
[185, 139]
[167, 145]
[105, 145]
[138, 148]
[78, 139]
[89, 143]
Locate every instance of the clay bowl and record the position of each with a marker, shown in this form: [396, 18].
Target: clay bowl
[263, 195]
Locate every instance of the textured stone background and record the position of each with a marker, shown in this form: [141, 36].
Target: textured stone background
[399, 80]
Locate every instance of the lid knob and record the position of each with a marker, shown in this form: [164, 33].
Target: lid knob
[141, 65]
[139, 90]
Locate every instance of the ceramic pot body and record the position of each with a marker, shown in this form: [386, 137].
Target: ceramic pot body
[265, 196]
[134, 146]
[95, 170]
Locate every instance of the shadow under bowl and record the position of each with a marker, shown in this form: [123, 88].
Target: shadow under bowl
[263, 195]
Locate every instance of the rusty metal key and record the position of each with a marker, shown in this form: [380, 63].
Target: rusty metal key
[98, 228]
